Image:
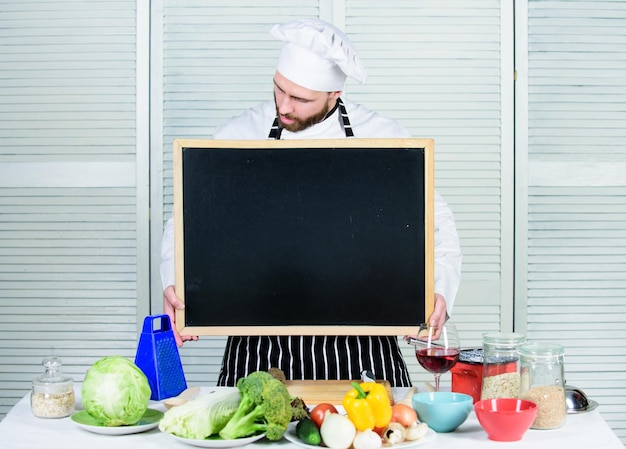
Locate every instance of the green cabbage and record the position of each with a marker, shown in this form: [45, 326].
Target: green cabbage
[202, 417]
[115, 391]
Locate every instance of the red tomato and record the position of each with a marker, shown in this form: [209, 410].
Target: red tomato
[379, 430]
[319, 411]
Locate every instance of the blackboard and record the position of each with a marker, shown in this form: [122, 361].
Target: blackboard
[324, 237]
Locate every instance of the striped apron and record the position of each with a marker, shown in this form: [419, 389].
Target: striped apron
[315, 357]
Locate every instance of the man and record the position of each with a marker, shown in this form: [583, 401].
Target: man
[315, 60]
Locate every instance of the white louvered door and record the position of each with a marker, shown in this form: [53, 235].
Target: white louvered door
[443, 69]
[73, 232]
[217, 60]
[572, 283]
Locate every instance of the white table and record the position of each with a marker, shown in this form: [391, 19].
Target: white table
[21, 430]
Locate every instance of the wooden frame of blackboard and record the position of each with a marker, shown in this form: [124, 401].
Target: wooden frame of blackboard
[187, 323]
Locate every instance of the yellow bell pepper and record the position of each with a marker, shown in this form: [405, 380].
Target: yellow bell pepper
[367, 405]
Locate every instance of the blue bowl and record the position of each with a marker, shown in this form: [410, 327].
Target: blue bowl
[443, 411]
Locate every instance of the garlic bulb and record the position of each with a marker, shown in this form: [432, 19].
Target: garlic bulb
[367, 439]
[416, 431]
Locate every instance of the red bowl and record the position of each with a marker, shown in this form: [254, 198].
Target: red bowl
[505, 419]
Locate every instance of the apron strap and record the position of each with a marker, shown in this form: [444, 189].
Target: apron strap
[345, 121]
[276, 130]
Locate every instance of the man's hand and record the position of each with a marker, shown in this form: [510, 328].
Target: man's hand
[437, 319]
[439, 316]
[171, 303]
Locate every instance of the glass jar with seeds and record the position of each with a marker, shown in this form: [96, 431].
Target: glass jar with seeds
[52, 394]
[501, 374]
[542, 373]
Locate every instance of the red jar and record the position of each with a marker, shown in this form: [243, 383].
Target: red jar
[467, 373]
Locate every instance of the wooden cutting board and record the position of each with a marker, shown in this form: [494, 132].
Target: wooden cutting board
[332, 391]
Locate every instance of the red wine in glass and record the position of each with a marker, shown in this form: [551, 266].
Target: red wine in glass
[437, 350]
[437, 360]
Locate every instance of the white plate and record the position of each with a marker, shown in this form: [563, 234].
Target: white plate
[218, 442]
[291, 436]
[149, 420]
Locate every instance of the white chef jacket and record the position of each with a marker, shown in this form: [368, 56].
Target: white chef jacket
[255, 123]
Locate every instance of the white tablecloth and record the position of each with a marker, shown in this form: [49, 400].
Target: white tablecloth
[21, 430]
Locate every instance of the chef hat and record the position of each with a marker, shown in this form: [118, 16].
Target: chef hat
[317, 55]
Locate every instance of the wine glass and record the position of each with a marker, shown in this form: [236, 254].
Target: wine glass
[437, 350]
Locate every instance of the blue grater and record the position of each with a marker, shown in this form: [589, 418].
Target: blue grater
[157, 356]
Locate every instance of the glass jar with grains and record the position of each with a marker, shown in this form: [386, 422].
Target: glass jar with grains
[501, 375]
[52, 395]
[541, 369]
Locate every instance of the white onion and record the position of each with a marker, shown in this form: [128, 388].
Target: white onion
[337, 431]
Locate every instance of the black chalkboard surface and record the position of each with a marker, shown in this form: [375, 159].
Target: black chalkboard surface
[303, 237]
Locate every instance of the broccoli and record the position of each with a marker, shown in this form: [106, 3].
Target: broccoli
[265, 406]
[299, 408]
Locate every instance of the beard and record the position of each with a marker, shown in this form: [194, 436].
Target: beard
[300, 124]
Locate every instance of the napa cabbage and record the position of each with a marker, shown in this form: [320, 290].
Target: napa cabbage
[202, 417]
